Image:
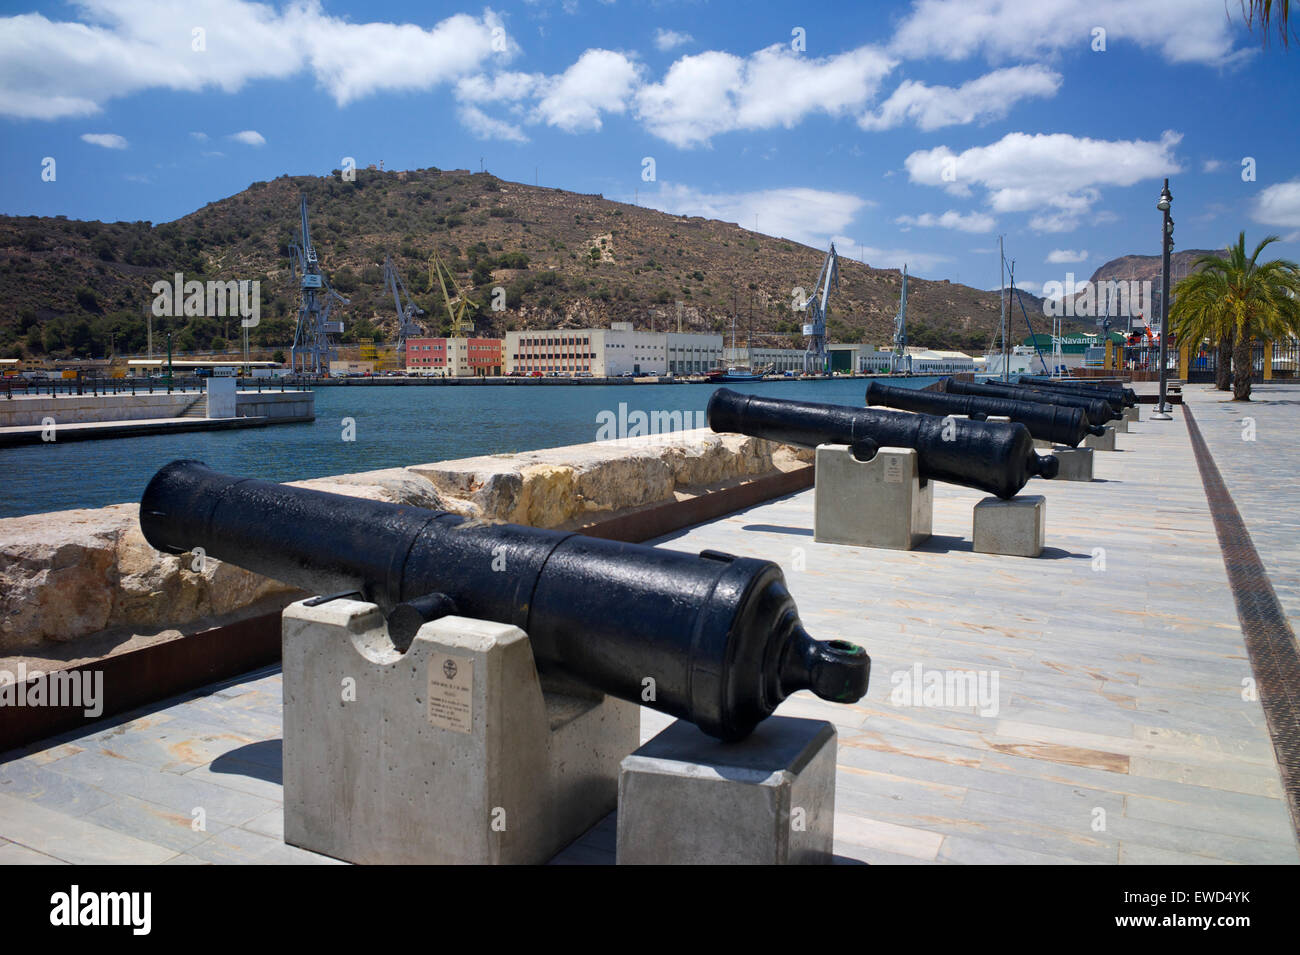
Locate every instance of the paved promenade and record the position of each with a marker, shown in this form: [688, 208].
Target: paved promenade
[1113, 729]
[1256, 446]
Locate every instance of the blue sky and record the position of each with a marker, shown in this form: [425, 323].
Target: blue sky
[907, 132]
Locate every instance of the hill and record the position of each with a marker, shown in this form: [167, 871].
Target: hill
[1147, 267]
[75, 288]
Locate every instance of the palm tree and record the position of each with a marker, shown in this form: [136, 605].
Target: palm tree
[1263, 11]
[1239, 299]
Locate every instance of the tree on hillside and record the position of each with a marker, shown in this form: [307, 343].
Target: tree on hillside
[1238, 298]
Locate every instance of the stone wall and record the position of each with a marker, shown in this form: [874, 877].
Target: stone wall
[75, 409]
[297, 405]
[70, 575]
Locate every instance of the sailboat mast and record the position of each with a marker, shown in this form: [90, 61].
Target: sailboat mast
[1002, 299]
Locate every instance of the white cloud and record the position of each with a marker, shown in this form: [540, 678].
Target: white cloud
[355, 60]
[107, 140]
[952, 219]
[199, 137]
[666, 40]
[249, 137]
[56, 69]
[599, 81]
[1060, 256]
[986, 98]
[1183, 31]
[1055, 176]
[809, 216]
[916, 262]
[713, 92]
[1212, 165]
[502, 86]
[1279, 204]
[483, 126]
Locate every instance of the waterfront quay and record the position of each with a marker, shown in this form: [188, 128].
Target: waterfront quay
[116, 411]
[1120, 709]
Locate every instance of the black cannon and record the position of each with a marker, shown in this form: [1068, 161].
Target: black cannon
[997, 458]
[1097, 410]
[718, 635]
[1118, 396]
[1055, 423]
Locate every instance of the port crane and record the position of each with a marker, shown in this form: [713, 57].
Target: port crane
[459, 306]
[814, 356]
[901, 361]
[407, 310]
[312, 345]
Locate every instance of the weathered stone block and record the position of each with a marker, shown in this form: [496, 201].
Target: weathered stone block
[685, 798]
[1016, 528]
[1105, 442]
[1075, 463]
[447, 753]
[876, 503]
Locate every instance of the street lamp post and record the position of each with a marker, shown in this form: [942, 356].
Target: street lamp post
[1166, 244]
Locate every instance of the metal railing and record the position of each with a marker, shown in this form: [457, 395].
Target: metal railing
[11, 386]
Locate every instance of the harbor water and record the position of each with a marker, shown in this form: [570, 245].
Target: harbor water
[367, 428]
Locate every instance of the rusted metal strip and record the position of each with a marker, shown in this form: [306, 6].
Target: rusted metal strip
[652, 522]
[137, 677]
[1270, 639]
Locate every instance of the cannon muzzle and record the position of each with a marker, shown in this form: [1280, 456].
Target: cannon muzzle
[1097, 410]
[1119, 396]
[993, 457]
[709, 638]
[1056, 423]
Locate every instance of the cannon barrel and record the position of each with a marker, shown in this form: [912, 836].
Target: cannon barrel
[1117, 395]
[1055, 423]
[1097, 410]
[997, 458]
[718, 635]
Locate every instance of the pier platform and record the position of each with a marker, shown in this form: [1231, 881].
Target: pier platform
[25, 419]
[1115, 715]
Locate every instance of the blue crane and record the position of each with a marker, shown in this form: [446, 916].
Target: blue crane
[407, 310]
[312, 345]
[814, 356]
[901, 361]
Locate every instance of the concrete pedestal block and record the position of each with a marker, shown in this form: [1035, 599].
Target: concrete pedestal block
[448, 753]
[221, 397]
[686, 798]
[1121, 426]
[1132, 414]
[1105, 442]
[876, 503]
[1016, 528]
[1075, 463]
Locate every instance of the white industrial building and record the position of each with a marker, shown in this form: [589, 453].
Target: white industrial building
[610, 352]
[924, 361]
[771, 360]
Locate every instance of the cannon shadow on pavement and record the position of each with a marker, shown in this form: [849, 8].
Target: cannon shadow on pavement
[260, 760]
[778, 529]
[946, 543]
